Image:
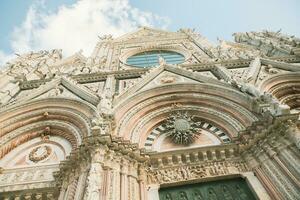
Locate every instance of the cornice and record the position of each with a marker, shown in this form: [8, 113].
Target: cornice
[33, 84]
[137, 41]
[209, 153]
[136, 73]
[101, 76]
[260, 131]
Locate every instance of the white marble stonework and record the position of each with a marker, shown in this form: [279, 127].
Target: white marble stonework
[100, 127]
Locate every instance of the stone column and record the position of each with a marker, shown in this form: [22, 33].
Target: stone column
[106, 174]
[271, 150]
[255, 166]
[142, 192]
[286, 158]
[281, 182]
[94, 182]
[115, 185]
[153, 192]
[62, 193]
[132, 181]
[80, 186]
[95, 177]
[268, 184]
[71, 190]
[141, 181]
[124, 179]
[291, 160]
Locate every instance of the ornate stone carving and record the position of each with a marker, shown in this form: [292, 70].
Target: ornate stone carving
[182, 128]
[120, 169]
[16, 142]
[56, 91]
[27, 178]
[35, 62]
[271, 43]
[191, 172]
[40, 153]
[94, 182]
[271, 70]
[168, 79]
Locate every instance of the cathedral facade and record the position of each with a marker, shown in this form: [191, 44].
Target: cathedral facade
[154, 115]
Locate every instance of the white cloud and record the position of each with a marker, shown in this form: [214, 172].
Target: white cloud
[76, 27]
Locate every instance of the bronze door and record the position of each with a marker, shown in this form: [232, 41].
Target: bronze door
[231, 189]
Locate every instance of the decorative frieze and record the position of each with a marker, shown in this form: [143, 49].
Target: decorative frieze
[194, 172]
[27, 178]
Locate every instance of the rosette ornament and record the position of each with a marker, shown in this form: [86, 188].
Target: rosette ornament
[182, 128]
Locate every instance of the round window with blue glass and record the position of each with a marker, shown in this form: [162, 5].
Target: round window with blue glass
[151, 58]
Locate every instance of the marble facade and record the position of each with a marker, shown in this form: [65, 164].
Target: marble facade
[88, 128]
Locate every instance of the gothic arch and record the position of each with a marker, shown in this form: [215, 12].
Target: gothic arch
[52, 117]
[285, 87]
[210, 131]
[226, 108]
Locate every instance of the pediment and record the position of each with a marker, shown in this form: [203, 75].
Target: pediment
[146, 33]
[167, 75]
[261, 69]
[60, 87]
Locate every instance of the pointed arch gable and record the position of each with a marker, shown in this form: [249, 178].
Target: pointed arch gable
[70, 119]
[285, 87]
[227, 108]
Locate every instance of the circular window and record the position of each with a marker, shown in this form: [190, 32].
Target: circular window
[151, 58]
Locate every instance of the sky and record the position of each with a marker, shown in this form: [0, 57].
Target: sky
[70, 25]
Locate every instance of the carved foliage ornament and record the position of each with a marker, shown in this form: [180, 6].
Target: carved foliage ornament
[40, 153]
[182, 128]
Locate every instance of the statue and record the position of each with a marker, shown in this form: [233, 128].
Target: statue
[271, 70]
[56, 91]
[253, 70]
[241, 37]
[105, 37]
[245, 87]
[106, 96]
[94, 182]
[161, 61]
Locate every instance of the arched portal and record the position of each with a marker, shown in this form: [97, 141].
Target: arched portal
[286, 88]
[35, 138]
[220, 114]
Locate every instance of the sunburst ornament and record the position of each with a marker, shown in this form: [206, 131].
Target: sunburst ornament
[182, 128]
